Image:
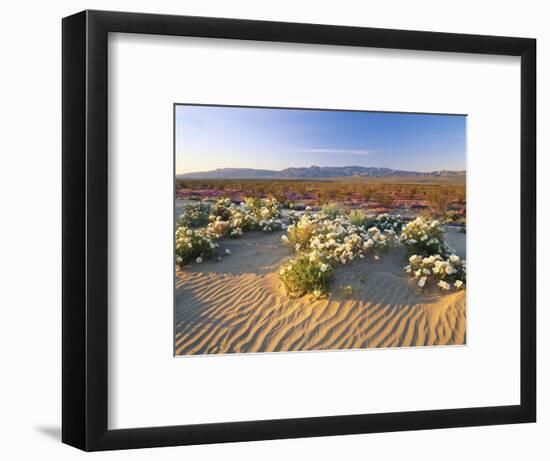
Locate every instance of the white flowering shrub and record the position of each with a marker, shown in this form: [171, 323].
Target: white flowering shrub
[424, 237]
[336, 239]
[339, 248]
[221, 228]
[221, 209]
[270, 225]
[263, 209]
[332, 242]
[341, 244]
[195, 215]
[433, 270]
[376, 240]
[226, 220]
[194, 244]
[385, 221]
[306, 274]
[230, 220]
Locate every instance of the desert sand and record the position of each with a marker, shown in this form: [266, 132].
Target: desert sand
[237, 306]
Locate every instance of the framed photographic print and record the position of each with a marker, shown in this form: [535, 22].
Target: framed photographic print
[334, 237]
[277, 230]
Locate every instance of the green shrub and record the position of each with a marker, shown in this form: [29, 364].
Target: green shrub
[305, 275]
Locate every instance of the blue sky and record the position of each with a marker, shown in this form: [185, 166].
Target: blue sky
[210, 137]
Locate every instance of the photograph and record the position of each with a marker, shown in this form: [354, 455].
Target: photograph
[314, 229]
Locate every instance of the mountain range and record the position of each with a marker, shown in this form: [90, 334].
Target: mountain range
[312, 172]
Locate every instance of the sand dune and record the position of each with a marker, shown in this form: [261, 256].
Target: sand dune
[237, 306]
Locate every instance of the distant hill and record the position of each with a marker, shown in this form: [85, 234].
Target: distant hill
[230, 173]
[312, 172]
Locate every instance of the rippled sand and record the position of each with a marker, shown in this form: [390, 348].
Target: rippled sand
[237, 306]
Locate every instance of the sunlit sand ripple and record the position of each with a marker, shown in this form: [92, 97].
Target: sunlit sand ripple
[237, 306]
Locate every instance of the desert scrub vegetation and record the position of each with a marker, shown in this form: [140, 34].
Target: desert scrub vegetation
[358, 217]
[225, 219]
[338, 239]
[222, 209]
[439, 199]
[230, 220]
[323, 241]
[385, 221]
[327, 191]
[456, 219]
[300, 231]
[194, 244]
[383, 197]
[333, 210]
[435, 270]
[431, 260]
[424, 237]
[195, 215]
[305, 274]
[351, 243]
[331, 242]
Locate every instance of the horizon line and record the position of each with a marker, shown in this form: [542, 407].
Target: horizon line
[320, 167]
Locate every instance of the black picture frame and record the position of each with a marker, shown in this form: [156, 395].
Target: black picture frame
[85, 219]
